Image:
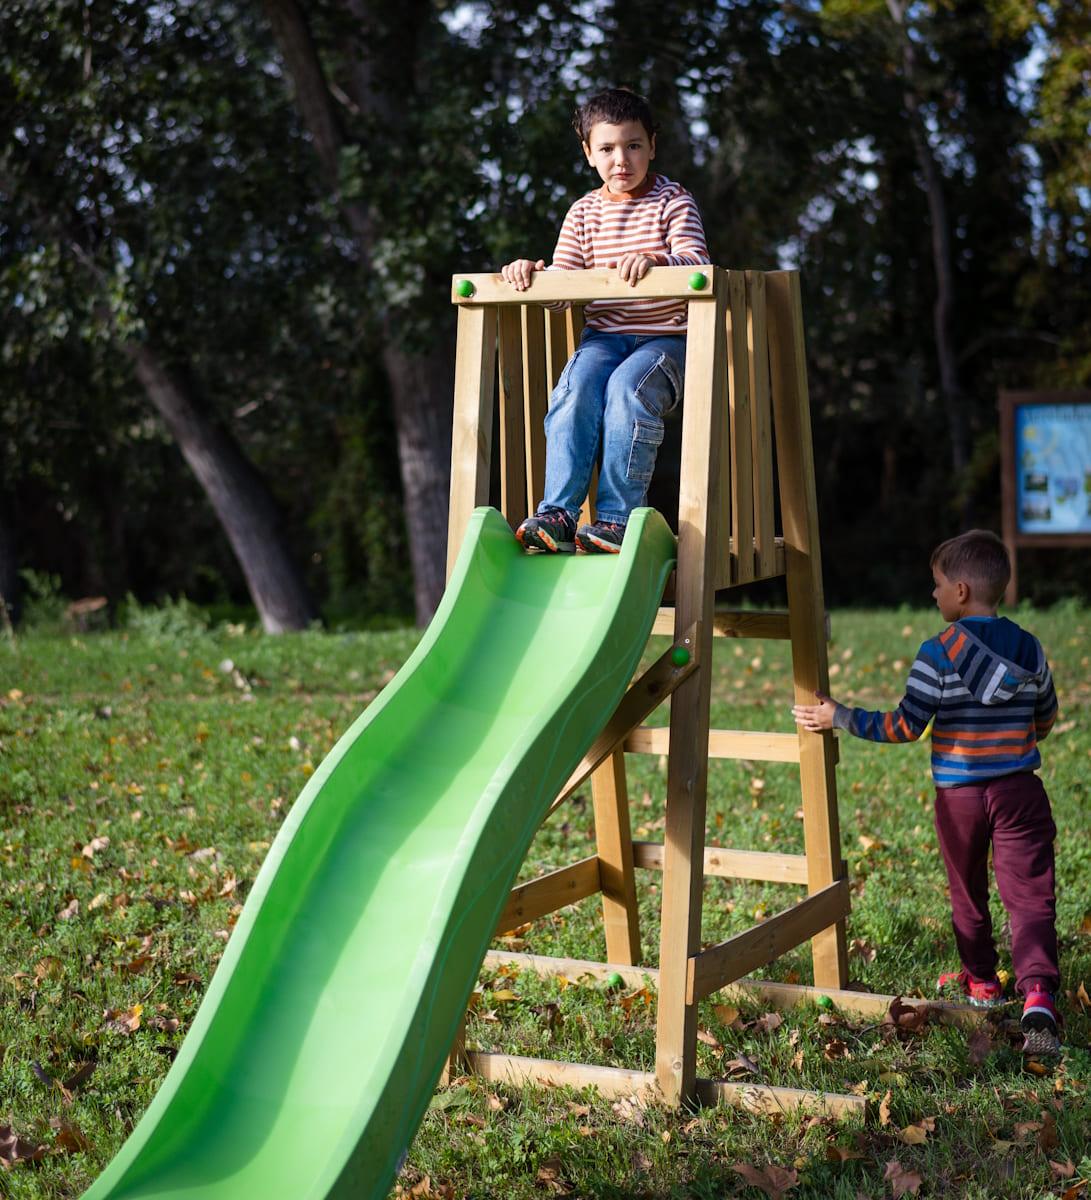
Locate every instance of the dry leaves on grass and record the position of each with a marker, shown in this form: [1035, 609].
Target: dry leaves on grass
[15, 1149]
[774, 1181]
[903, 1182]
[551, 1174]
[903, 1020]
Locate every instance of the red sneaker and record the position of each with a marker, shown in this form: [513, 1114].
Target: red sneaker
[981, 993]
[1040, 1024]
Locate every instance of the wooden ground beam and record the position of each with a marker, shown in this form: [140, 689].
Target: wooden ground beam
[619, 1082]
[780, 996]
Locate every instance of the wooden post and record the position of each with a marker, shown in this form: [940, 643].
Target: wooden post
[535, 374]
[761, 424]
[614, 839]
[513, 448]
[471, 433]
[806, 610]
[687, 778]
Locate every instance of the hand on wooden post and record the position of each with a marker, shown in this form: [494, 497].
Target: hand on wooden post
[815, 717]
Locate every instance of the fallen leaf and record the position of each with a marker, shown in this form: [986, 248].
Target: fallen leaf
[1063, 1170]
[902, 1181]
[743, 1065]
[769, 1022]
[70, 910]
[726, 1013]
[913, 1135]
[123, 1020]
[504, 996]
[1047, 1135]
[842, 1153]
[709, 1040]
[70, 1138]
[980, 1046]
[774, 1181]
[94, 845]
[14, 1149]
[884, 1110]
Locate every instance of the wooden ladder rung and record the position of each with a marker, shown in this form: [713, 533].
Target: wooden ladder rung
[732, 864]
[755, 744]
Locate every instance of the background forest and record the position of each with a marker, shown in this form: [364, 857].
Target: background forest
[227, 231]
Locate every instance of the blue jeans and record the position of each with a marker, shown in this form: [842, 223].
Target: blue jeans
[608, 406]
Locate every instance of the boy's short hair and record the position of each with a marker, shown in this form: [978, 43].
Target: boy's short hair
[614, 106]
[977, 557]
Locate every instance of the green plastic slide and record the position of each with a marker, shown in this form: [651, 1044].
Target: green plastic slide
[325, 1028]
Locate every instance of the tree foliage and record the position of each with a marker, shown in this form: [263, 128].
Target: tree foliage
[162, 187]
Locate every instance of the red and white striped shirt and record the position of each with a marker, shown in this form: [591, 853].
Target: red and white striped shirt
[660, 220]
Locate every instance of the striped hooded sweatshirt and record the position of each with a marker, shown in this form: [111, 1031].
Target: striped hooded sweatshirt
[987, 683]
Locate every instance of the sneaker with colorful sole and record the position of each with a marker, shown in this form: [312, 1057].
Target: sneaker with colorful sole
[961, 985]
[1040, 1024]
[550, 532]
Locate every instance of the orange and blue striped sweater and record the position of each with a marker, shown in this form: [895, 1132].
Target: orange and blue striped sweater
[988, 685]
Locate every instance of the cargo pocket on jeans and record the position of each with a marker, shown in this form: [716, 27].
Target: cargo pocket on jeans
[660, 388]
[647, 438]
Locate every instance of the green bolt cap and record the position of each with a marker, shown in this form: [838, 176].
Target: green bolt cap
[613, 980]
[679, 656]
[823, 1002]
[465, 288]
[698, 281]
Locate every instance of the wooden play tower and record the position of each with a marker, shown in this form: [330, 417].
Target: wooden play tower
[746, 435]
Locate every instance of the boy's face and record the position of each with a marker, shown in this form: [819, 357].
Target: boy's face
[950, 596]
[620, 154]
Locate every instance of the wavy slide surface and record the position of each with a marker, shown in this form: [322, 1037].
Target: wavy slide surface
[326, 1025]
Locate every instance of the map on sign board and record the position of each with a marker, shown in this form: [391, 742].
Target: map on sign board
[1053, 468]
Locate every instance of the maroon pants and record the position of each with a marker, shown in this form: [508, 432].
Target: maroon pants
[1012, 812]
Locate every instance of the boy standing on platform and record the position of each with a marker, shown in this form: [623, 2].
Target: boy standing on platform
[988, 686]
[626, 375]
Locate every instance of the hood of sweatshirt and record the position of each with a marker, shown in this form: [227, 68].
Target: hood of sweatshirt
[993, 657]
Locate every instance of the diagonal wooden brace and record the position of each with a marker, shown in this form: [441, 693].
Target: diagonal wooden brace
[644, 695]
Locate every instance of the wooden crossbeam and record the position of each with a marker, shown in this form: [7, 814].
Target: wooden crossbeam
[712, 969]
[756, 744]
[645, 694]
[538, 897]
[661, 283]
[732, 864]
[757, 624]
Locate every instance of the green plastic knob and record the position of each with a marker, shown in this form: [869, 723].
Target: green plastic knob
[823, 1002]
[465, 289]
[698, 281]
[679, 656]
[614, 980]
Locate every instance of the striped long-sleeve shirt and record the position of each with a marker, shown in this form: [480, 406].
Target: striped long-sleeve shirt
[988, 686]
[660, 220]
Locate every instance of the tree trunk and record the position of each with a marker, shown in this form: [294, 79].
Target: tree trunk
[9, 568]
[954, 399]
[422, 388]
[238, 494]
[421, 385]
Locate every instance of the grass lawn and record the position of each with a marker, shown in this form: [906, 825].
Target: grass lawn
[144, 774]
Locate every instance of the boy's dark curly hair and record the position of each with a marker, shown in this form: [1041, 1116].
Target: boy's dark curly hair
[614, 106]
